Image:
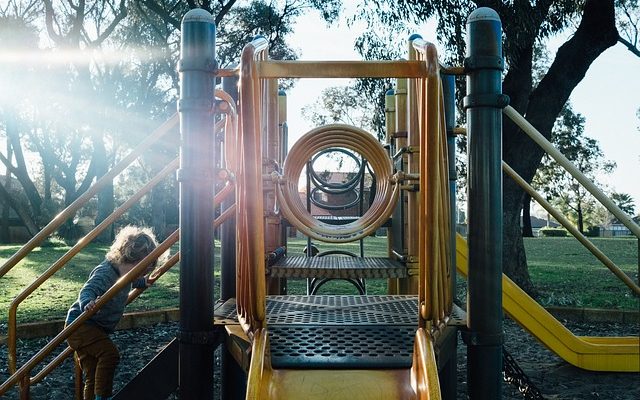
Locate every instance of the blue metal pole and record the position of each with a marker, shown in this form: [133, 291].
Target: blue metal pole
[196, 177]
[483, 104]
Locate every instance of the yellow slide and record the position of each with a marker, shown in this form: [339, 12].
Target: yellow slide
[619, 354]
[419, 382]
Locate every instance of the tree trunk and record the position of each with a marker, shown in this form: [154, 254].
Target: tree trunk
[580, 217]
[595, 34]
[20, 169]
[527, 230]
[106, 203]
[20, 209]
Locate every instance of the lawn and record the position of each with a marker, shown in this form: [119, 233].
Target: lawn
[564, 272]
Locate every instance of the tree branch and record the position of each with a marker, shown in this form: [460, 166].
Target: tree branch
[224, 10]
[162, 13]
[629, 46]
[122, 13]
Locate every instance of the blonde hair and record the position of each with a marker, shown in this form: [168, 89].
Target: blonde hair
[131, 245]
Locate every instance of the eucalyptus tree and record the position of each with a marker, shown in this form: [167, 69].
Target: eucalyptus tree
[525, 24]
[562, 189]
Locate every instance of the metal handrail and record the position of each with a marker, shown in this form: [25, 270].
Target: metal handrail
[547, 146]
[133, 294]
[571, 228]
[435, 294]
[228, 123]
[23, 371]
[251, 287]
[56, 266]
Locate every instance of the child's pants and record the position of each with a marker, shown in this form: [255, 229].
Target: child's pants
[98, 358]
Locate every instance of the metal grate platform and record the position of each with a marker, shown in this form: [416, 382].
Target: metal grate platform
[344, 331]
[337, 267]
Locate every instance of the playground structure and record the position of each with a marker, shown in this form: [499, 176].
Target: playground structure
[399, 345]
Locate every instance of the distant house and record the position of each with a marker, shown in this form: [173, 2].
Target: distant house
[614, 228]
[539, 223]
[335, 201]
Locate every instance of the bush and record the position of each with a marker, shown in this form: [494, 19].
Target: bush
[553, 232]
[54, 241]
[592, 231]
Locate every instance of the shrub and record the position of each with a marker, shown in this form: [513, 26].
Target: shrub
[553, 232]
[592, 231]
[54, 241]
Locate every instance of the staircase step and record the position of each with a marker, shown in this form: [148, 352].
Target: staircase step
[337, 267]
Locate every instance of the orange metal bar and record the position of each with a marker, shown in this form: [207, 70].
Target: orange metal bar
[251, 288]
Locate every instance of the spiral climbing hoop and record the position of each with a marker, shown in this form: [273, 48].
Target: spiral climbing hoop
[336, 136]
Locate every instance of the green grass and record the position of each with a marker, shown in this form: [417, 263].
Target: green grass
[564, 272]
[567, 274]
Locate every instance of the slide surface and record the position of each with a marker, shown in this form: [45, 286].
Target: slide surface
[619, 354]
[417, 382]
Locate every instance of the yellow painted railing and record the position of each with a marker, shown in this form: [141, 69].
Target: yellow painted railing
[250, 284]
[435, 298]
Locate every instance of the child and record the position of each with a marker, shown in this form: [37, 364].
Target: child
[97, 354]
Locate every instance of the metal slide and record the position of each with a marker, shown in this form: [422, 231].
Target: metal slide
[612, 354]
[418, 382]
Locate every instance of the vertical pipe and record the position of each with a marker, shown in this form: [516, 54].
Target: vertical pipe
[284, 149]
[448, 375]
[448, 91]
[484, 123]
[228, 228]
[390, 129]
[230, 371]
[413, 167]
[196, 178]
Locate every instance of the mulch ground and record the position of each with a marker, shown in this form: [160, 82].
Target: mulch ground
[555, 378]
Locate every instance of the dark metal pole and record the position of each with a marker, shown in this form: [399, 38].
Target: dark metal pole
[196, 177]
[483, 104]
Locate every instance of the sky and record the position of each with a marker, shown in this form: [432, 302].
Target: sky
[607, 97]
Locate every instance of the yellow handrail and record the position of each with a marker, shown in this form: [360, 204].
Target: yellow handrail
[22, 373]
[575, 172]
[250, 291]
[435, 296]
[56, 266]
[572, 229]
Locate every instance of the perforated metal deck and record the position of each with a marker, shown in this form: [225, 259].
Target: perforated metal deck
[344, 331]
[337, 267]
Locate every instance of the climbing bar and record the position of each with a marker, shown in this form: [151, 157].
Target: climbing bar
[341, 69]
[575, 172]
[572, 229]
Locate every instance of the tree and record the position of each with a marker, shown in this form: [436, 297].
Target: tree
[17, 33]
[628, 17]
[343, 104]
[624, 201]
[525, 23]
[556, 183]
[237, 22]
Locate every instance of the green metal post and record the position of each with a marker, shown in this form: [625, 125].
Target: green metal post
[196, 177]
[483, 105]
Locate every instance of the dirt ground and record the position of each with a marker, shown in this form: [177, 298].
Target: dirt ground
[551, 375]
